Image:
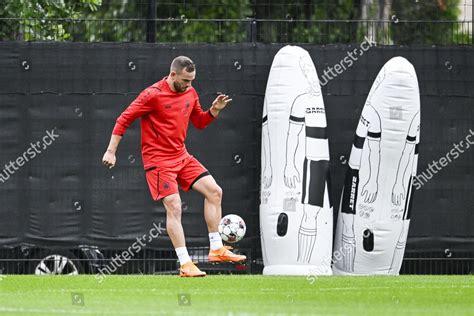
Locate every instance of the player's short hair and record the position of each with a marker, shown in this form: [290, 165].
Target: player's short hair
[182, 62]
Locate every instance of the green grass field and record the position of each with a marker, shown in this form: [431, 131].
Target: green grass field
[236, 295]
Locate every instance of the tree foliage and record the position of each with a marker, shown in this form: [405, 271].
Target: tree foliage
[298, 21]
[176, 21]
[440, 32]
[37, 20]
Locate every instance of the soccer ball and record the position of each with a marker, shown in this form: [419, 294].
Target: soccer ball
[232, 228]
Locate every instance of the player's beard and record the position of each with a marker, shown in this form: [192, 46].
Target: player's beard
[179, 88]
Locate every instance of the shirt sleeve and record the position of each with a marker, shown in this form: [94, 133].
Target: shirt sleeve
[368, 127]
[140, 106]
[200, 119]
[374, 131]
[414, 129]
[297, 114]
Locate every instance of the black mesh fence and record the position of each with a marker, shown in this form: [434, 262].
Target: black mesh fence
[438, 262]
[103, 262]
[397, 22]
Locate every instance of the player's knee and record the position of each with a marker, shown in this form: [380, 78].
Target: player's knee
[215, 194]
[173, 207]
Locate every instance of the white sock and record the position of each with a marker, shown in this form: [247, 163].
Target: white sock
[183, 255]
[215, 240]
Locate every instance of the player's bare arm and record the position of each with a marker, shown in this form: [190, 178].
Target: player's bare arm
[109, 158]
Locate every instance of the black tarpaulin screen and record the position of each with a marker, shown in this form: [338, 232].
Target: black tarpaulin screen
[63, 196]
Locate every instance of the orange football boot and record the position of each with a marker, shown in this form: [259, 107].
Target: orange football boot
[225, 255]
[189, 269]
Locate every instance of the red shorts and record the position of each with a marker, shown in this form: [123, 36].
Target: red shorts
[164, 180]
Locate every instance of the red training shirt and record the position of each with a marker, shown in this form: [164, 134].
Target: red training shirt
[165, 117]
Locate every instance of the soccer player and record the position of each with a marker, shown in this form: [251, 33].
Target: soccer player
[165, 109]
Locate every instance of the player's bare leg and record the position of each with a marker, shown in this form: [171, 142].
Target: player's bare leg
[175, 230]
[307, 233]
[208, 187]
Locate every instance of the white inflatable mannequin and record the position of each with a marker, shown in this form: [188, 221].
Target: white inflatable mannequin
[374, 213]
[295, 211]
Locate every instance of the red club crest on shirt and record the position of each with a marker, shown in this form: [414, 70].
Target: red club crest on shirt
[185, 109]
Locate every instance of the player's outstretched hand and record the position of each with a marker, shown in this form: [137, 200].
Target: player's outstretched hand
[221, 102]
[109, 159]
